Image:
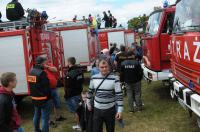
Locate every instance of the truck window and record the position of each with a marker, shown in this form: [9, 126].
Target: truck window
[190, 19]
[153, 23]
[168, 26]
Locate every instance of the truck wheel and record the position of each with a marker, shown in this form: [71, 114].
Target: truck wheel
[148, 81]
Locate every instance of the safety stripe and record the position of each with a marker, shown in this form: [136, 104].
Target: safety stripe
[32, 79]
[39, 98]
[10, 6]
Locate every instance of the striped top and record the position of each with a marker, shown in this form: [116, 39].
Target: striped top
[109, 93]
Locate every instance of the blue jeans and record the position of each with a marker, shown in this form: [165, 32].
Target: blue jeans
[72, 103]
[56, 98]
[20, 129]
[44, 112]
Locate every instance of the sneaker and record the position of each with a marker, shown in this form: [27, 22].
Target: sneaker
[77, 127]
[131, 112]
[60, 118]
[52, 124]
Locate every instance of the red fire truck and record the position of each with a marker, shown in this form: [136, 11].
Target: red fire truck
[78, 40]
[185, 61]
[120, 36]
[20, 47]
[155, 44]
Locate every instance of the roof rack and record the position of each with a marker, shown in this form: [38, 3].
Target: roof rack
[13, 25]
[65, 24]
[111, 29]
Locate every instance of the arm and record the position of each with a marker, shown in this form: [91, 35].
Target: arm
[20, 9]
[90, 95]
[122, 73]
[52, 69]
[116, 60]
[3, 109]
[118, 96]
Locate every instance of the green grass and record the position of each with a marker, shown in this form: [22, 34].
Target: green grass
[161, 114]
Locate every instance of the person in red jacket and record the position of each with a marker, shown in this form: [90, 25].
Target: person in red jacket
[51, 71]
[10, 120]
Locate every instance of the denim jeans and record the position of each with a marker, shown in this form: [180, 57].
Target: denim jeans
[20, 129]
[44, 112]
[72, 103]
[56, 98]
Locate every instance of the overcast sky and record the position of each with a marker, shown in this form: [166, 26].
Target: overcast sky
[123, 10]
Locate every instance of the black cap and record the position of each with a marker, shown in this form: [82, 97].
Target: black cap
[40, 60]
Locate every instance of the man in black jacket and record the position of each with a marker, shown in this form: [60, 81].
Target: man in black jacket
[14, 11]
[73, 87]
[131, 74]
[106, 19]
[110, 18]
[41, 94]
[9, 118]
[0, 17]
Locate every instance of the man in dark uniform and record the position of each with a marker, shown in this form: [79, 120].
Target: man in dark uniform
[0, 17]
[41, 94]
[132, 73]
[14, 11]
[106, 19]
[110, 18]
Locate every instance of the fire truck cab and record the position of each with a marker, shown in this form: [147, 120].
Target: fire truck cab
[155, 44]
[185, 60]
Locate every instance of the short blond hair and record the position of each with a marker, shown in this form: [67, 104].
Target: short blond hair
[102, 61]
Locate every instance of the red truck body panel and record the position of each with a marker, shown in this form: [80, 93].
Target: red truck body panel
[185, 61]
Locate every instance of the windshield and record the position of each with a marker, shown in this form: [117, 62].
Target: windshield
[187, 16]
[153, 23]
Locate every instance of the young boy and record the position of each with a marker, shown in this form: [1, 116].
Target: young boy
[85, 116]
[10, 120]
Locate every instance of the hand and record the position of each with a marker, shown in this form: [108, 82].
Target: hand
[46, 66]
[15, 130]
[89, 108]
[118, 116]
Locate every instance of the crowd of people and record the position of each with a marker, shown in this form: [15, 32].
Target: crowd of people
[109, 20]
[15, 12]
[101, 103]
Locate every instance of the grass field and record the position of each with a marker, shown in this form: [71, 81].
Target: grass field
[161, 114]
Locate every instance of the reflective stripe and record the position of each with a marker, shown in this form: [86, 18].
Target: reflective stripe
[32, 79]
[10, 6]
[39, 98]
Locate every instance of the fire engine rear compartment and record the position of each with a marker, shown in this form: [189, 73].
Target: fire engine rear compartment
[75, 44]
[13, 59]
